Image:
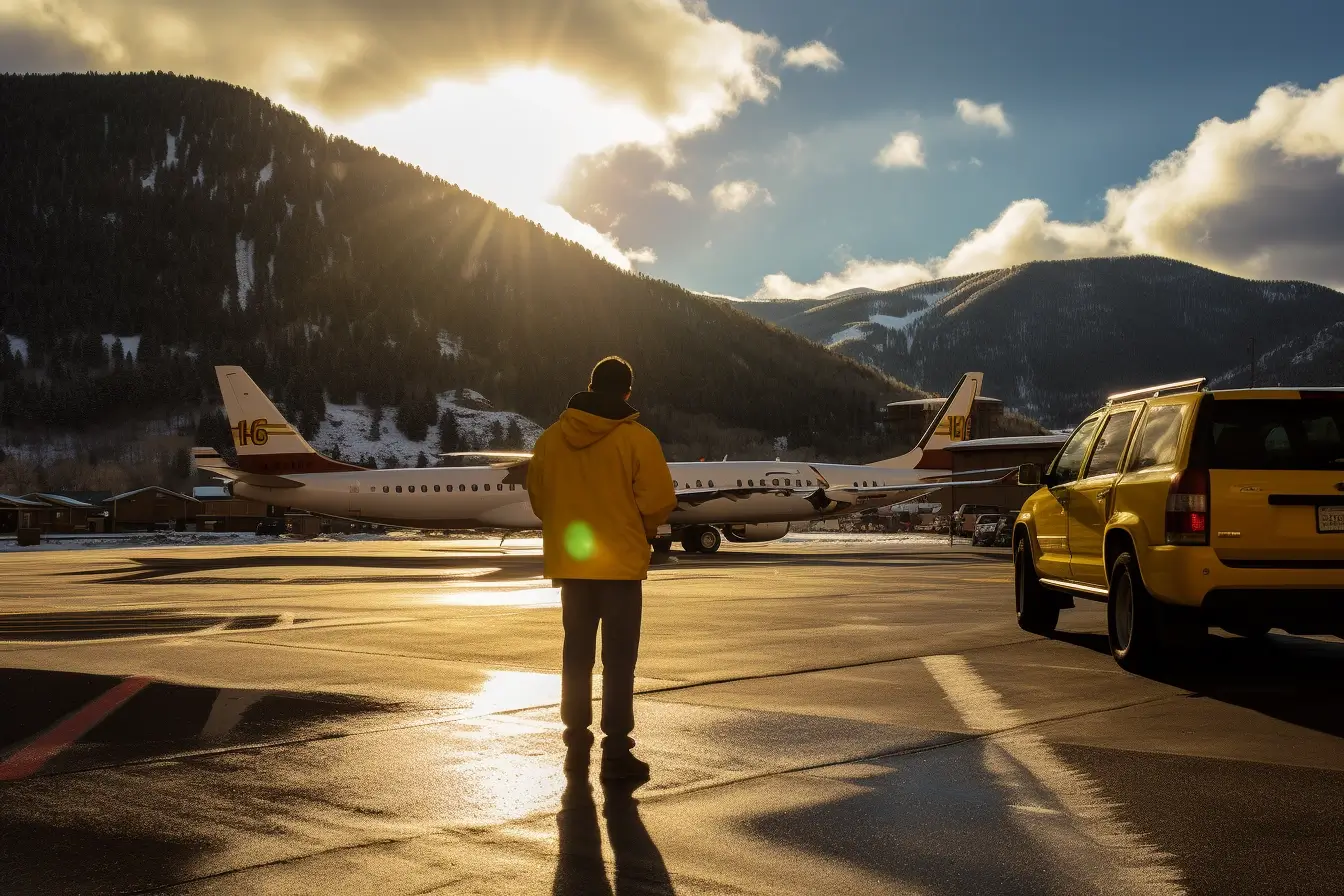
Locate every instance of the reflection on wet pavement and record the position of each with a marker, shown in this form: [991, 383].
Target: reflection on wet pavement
[104, 624]
[501, 597]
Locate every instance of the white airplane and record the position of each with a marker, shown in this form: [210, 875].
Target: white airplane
[745, 501]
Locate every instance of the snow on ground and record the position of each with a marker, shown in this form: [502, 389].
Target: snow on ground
[866, 538]
[18, 346]
[449, 346]
[130, 345]
[289, 209]
[848, 333]
[170, 155]
[243, 256]
[904, 323]
[199, 179]
[347, 428]
[264, 176]
[321, 217]
[147, 182]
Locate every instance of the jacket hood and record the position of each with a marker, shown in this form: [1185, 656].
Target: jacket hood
[592, 416]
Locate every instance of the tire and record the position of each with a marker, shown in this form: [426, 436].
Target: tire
[1037, 609]
[708, 539]
[689, 543]
[1132, 624]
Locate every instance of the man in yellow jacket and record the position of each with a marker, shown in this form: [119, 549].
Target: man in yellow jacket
[601, 488]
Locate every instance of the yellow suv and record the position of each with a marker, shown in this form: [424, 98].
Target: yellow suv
[1182, 508]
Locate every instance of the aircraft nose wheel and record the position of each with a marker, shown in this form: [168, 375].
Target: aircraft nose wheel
[701, 540]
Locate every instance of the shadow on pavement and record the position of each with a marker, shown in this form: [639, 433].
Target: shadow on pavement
[580, 869]
[1295, 679]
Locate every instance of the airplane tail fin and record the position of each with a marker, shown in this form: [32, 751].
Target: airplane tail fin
[264, 439]
[949, 426]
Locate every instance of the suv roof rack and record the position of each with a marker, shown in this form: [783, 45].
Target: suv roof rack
[1164, 389]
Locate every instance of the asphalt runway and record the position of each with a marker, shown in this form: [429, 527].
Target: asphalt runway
[380, 717]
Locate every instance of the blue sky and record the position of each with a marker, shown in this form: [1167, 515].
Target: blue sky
[574, 113]
[1095, 93]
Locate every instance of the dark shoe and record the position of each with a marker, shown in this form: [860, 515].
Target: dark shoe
[622, 765]
[576, 761]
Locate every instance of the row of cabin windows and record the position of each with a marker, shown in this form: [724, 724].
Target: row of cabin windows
[425, 488]
[751, 483]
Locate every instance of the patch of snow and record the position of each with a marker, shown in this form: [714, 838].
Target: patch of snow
[289, 209]
[110, 217]
[270, 269]
[264, 176]
[18, 346]
[213, 190]
[224, 300]
[1323, 340]
[853, 332]
[147, 182]
[130, 345]
[170, 155]
[321, 217]
[243, 253]
[449, 346]
[199, 179]
[350, 251]
[347, 428]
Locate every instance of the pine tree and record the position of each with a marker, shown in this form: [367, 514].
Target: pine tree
[376, 425]
[421, 461]
[513, 439]
[496, 435]
[449, 441]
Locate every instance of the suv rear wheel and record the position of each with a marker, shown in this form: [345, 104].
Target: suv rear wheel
[1037, 610]
[1132, 617]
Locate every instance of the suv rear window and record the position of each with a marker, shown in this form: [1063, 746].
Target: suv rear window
[1273, 434]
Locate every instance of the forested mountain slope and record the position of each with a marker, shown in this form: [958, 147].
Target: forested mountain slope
[203, 224]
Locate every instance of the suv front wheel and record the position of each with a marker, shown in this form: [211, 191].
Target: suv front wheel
[1037, 610]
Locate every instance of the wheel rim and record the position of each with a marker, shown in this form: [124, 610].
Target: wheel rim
[1124, 612]
[707, 539]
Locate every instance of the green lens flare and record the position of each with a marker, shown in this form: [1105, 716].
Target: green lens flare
[579, 540]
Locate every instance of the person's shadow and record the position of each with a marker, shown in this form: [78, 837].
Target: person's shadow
[580, 870]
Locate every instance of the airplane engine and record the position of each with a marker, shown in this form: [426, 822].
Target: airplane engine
[756, 532]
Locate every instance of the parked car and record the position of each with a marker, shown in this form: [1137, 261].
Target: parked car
[1181, 507]
[1003, 536]
[986, 529]
[271, 526]
[963, 521]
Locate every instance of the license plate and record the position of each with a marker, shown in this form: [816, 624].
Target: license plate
[1330, 519]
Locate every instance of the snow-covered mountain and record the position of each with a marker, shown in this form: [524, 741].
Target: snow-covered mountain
[1053, 337]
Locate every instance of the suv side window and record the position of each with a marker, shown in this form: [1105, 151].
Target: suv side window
[1069, 463]
[1111, 444]
[1161, 437]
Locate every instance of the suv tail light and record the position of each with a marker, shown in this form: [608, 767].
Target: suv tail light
[1188, 508]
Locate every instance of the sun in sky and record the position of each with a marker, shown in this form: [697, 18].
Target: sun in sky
[510, 137]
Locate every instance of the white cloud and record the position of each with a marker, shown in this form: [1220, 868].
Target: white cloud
[976, 163]
[536, 84]
[814, 54]
[990, 116]
[1257, 197]
[642, 256]
[905, 150]
[735, 195]
[676, 191]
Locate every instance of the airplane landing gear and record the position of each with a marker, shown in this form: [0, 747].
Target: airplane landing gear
[701, 540]
[662, 544]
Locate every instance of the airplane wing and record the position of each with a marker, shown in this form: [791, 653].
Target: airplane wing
[500, 455]
[694, 497]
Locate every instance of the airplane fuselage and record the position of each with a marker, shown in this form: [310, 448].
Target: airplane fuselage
[496, 497]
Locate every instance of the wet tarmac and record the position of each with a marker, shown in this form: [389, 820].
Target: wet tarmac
[381, 717]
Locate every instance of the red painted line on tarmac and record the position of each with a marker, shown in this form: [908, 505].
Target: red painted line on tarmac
[31, 757]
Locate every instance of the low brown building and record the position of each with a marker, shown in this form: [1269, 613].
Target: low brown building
[152, 507]
[988, 454]
[220, 510]
[20, 513]
[68, 515]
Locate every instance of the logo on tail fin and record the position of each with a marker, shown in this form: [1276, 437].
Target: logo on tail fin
[258, 432]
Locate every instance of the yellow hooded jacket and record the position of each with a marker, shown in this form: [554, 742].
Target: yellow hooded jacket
[601, 488]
